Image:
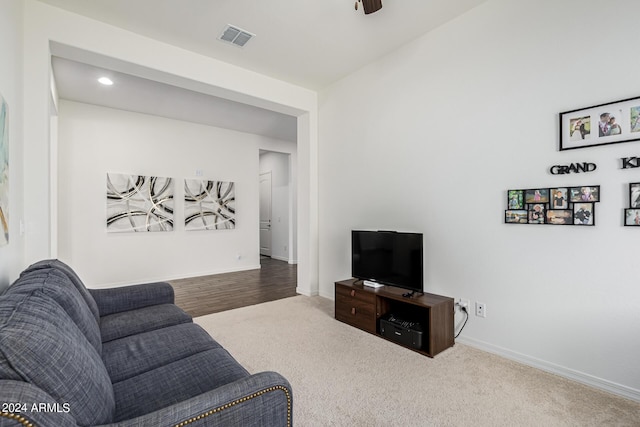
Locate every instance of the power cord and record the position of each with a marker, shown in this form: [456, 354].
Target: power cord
[465, 320]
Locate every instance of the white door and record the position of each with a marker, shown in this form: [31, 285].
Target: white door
[265, 214]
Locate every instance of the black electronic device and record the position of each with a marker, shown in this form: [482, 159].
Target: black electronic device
[401, 331]
[388, 257]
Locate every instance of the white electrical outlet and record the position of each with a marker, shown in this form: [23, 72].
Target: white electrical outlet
[481, 309]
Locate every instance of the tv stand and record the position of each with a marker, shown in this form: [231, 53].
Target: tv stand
[363, 307]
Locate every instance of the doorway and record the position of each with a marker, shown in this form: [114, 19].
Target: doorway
[266, 200]
[277, 213]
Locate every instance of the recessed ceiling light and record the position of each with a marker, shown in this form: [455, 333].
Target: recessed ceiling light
[105, 81]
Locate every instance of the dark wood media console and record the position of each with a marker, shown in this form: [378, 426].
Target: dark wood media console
[362, 307]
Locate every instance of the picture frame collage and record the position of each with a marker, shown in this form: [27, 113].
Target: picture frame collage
[555, 205]
[632, 214]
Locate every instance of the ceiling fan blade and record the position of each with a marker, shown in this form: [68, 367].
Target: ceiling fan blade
[371, 6]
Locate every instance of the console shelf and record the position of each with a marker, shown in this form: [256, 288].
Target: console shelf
[362, 307]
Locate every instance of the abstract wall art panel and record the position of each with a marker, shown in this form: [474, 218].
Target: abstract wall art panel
[4, 172]
[209, 205]
[139, 203]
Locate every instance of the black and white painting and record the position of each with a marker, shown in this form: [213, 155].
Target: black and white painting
[209, 205]
[137, 203]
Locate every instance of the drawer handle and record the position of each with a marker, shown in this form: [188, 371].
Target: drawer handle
[353, 310]
[353, 293]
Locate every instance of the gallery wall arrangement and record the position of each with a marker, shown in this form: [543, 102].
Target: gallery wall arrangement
[4, 172]
[556, 206]
[209, 205]
[603, 124]
[138, 203]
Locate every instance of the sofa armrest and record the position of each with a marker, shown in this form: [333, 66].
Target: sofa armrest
[116, 300]
[263, 399]
[29, 404]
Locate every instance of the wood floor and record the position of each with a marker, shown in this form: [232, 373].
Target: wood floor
[210, 294]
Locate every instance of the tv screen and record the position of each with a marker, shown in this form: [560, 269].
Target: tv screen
[388, 257]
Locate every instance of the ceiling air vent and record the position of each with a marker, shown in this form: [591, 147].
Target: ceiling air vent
[235, 35]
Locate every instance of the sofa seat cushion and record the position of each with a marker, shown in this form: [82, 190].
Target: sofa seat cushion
[45, 348]
[127, 323]
[134, 355]
[56, 285]
[175, 382]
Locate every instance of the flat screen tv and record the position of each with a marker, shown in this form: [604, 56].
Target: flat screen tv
[388, 257]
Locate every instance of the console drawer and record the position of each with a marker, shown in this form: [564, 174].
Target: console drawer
[356, 294]
[356, 307]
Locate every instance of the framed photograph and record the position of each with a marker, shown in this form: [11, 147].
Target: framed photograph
[537, 195]
[515, 199]
[583, 214]
[559, 198]
[602, 124]
[537, 213]
[584, 194]
[518, 216]
[632, 217]
[634, 195]
[560, 216]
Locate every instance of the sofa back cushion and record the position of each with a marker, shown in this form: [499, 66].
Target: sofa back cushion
[57, 285]
[44, 347]
[73, 277]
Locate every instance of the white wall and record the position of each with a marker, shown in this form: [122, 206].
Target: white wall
[86, 38]
[430, 138]
[11, 17]
[96, 140]
[279, 166]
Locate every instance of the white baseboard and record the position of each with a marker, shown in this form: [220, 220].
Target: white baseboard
[581, 377]
[327, 296]
[285, 259]
[305, 292]
[177, 277]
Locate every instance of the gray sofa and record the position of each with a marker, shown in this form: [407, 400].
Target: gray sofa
[72, 356]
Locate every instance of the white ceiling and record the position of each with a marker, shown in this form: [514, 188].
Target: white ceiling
[308, 43]
[79, 82]
[311, 43]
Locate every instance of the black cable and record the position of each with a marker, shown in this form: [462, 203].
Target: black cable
[465, 320]
[411, 294]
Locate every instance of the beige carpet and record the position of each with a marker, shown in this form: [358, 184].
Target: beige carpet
[342, 376]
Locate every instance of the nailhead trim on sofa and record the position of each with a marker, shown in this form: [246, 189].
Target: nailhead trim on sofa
[238, 401]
